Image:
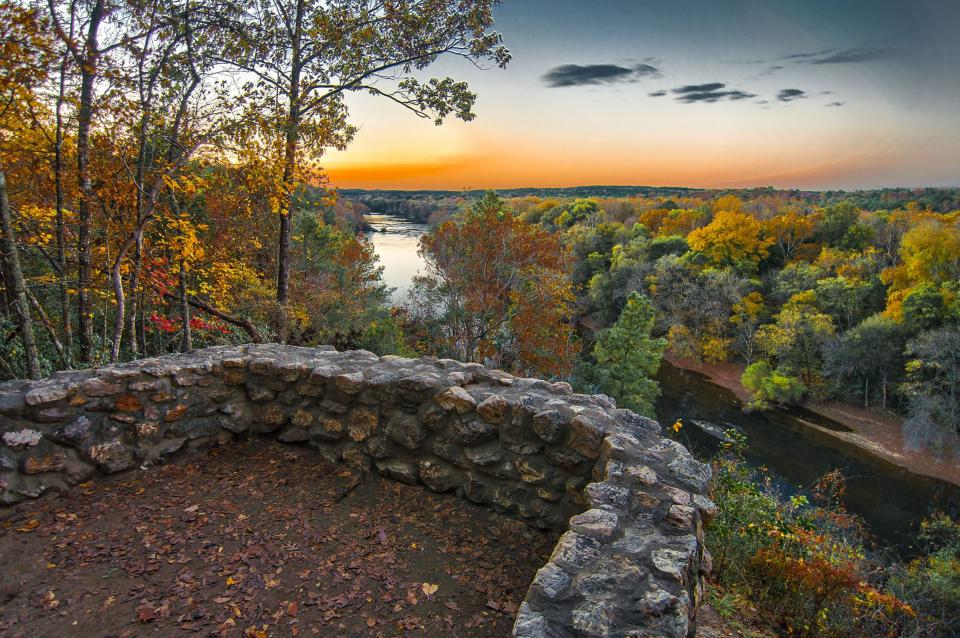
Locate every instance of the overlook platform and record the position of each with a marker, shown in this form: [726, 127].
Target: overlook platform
[286, 545]
[629, 506]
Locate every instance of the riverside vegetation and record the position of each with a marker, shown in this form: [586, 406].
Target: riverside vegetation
[160, 191]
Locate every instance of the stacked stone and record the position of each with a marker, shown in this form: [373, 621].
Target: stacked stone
[629, 562]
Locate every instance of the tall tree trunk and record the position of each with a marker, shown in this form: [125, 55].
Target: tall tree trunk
[289, 179]
[11, 261]
[117, 278]
[61, 225]
[187, 344]
[134, 294]
[884, 400]
[45, 320]
[88, 74]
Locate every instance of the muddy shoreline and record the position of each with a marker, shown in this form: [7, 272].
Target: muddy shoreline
[799, 445]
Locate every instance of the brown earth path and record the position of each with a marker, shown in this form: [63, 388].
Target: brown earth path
[259, 539]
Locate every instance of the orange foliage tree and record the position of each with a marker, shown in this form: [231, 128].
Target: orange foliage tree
[499, 290]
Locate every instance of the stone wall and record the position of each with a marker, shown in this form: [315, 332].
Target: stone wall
[630, 561]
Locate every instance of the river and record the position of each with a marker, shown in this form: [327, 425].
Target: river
[396, 242]
[794, 445]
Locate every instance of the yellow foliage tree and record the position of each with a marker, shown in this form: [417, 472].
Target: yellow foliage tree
[732, 239]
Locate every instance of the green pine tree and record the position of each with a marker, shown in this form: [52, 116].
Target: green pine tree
[627, 357]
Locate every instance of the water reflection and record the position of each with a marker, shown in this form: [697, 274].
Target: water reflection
[396, 241]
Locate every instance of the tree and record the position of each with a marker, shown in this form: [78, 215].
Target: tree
[627, 357]
[14, 275]
[768, 385]
[498, 290]
[748, 314]
[933, 388]
[835, 221]
[789, 230]
[929, 260]
[306, 55]
[871, 351]
[797, 339]
[87, 18]
[732, 239]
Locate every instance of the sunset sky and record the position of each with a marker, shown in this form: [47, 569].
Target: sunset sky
[788, 93]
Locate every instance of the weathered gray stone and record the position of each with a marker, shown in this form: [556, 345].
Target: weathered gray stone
[643, 474]
[657, 602]
[551, 582]
[46, 394]
[680, 516]
[494, 409]
[8, 461]
[350, 383]
[327, 428]
[456, 398]
[529, 624]
[439, 477]
[486, 454]
[22, 438]
[574, 551]
[472, 430]
[531, 470]
[111, 457]
[691, 472]
[100, 388]
[595, 617]
[707, 508]
[362, 423]
[595, 523]
[399, 470]
[550, 425]
[257, 392]
[586, 436]
[610, 494]
[432, 416]
[672, 563]
[406, 430]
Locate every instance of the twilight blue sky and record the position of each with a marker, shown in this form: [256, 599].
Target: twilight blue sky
[792, 93]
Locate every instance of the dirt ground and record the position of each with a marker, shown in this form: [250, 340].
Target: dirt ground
[259, 539]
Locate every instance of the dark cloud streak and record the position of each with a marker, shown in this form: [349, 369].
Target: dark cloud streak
[789, 95]
[597, 74]
[700, 88]
[851, 55]
[709, 92]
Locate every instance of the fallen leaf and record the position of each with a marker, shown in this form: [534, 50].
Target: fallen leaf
[29, 527]
[429, 588]
[146, 612]
[371, 622]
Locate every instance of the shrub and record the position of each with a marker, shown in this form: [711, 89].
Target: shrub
[804, 564]
[931, 583]
[768, 385]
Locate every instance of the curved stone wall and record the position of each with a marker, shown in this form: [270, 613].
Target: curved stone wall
[630, 561]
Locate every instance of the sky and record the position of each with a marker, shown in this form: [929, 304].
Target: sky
[812, 94]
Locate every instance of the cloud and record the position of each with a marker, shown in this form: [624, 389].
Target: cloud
[597, 74]
[836, 104]
[659, 93]
[709, 92]
[851, 55]
[789, 95]
[700, 88]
